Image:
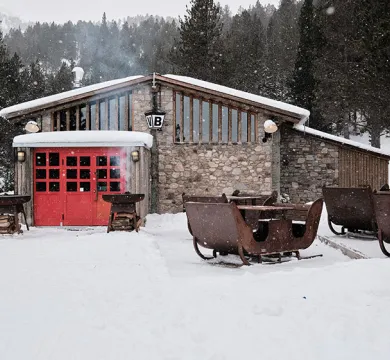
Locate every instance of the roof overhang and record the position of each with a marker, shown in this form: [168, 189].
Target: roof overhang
[96, 138]
[286, 111]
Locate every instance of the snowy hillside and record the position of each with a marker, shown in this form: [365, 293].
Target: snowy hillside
[9, 21]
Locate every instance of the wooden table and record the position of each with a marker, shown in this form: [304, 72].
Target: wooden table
[269, 209]
[252, 199]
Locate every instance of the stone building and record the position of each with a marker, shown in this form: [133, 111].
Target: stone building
[165, 135]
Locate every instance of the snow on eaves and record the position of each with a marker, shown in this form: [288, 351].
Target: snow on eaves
[341, 140]
[95, 138]
[63, 96]
[302, 113]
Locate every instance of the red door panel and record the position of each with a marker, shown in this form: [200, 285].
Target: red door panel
[69, 184]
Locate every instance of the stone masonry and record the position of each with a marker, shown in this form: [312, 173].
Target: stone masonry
[307, 164]
[206, 169]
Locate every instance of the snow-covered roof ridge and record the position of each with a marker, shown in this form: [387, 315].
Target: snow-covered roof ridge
[302, 113]
[94, 138]
[37, 103]
[324, 135]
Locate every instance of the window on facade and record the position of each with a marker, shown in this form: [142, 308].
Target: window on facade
[102, 115]
[72, 119]
[204, 121]
[114, 113]
[122, 109]
[92, 115]
[244, 127]
[83, 117]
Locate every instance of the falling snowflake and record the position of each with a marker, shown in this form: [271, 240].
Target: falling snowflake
[330, 10]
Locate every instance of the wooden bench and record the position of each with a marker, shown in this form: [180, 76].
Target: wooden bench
[221, 228]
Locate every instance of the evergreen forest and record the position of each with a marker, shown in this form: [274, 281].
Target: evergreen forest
[331, 57]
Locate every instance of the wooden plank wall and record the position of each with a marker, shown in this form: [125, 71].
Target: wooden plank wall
[357, 168]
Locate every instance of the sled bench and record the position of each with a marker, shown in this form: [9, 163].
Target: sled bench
[221, 228]
[123, 215]
[382, 214]
[350, 208]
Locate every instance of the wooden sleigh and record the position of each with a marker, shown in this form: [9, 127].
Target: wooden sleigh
[221, 228]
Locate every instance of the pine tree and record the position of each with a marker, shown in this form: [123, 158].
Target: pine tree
[198, 52]
[245, 52]
[282, 44]
[303, 84]
[61, 81]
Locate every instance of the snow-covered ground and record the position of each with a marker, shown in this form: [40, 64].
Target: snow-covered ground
[68, 294]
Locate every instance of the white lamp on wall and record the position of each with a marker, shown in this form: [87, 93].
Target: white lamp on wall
[269, 128]
[32, 127]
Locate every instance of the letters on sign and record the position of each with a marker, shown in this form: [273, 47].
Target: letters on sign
[155, 121]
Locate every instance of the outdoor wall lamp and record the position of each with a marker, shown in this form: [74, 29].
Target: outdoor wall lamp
[21, 156]
[32, 127]
[269, 128]
[135, 155]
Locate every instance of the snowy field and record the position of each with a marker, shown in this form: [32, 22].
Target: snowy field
[68, 294]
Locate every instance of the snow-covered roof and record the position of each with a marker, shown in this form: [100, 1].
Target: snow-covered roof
[95, 138]
[302, 113]
[324, 135]
[34, 105]
[49, 100]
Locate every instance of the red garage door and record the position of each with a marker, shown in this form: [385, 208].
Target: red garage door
[69, 184]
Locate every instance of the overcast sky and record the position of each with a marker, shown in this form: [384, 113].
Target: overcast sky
[60, 11]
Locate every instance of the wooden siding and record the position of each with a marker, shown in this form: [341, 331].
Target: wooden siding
[357, 168]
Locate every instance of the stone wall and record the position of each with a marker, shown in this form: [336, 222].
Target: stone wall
[201, 169]
[307, 164]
